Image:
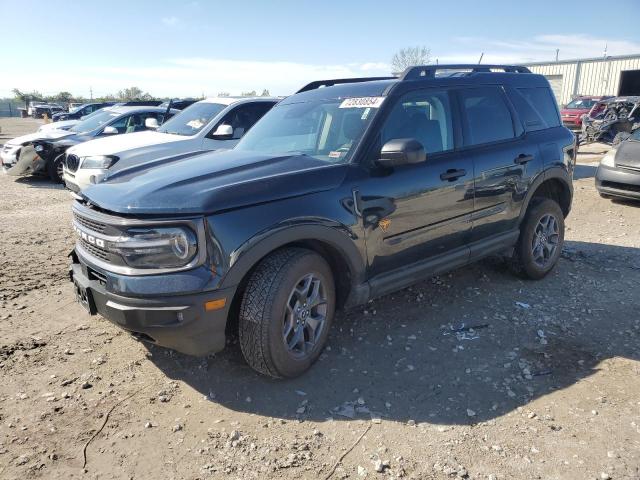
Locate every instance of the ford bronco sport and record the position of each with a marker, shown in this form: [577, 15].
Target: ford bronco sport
[348, 190]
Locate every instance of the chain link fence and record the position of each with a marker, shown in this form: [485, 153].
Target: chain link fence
[10, 108]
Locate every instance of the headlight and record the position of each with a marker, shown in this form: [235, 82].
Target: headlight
[609, 159]
[98, 161]
[38, 148]
[166, 247]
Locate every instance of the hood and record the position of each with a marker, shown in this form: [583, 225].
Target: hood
[628, 154]
[62, 125]
[117, 144]
[214, 181]
[49, 134]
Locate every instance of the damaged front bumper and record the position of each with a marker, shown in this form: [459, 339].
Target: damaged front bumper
[27, 161]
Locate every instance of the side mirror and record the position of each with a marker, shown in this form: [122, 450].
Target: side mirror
[151, 123]
[401, 151]
[223, 132]
[110, 130]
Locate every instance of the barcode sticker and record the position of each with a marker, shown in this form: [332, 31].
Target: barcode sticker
[362, 102]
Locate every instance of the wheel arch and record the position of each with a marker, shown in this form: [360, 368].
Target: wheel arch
[555, 184]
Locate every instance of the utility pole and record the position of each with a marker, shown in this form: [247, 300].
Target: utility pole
[557, 53]
[91, 93]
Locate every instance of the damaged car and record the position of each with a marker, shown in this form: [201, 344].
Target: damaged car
[43, 152]
[618, 174]
[611, 121]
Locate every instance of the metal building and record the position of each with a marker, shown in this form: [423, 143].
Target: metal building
[611, 75]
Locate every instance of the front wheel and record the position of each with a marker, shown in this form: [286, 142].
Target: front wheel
[55, 168]
[286, 312]
[541, 239]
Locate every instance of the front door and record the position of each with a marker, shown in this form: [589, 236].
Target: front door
[421, 212]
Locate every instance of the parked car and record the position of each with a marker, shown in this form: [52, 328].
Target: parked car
[573, 112]
[44, 152]
[618, 174]
[32, 106]
[178, 103]
[206, 125]
[50, 109]
[611, 121]
[337, 195]
[73, 105]
[81, 111]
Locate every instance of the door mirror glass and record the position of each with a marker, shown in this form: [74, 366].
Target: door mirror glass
[110, 130]
[151, 123]
[223, 132]
[401, 151]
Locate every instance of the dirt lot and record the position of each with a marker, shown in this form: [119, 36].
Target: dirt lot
[547, 386]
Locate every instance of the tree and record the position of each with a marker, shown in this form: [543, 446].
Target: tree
[224, 94]
[63, 97]
[409, 57]
[132, 94]
[27, 97]
[265, 93]
[252, 93]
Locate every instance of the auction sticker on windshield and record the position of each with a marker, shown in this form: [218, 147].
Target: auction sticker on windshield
[362, 102]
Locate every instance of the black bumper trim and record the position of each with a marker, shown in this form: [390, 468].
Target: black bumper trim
[177, 322]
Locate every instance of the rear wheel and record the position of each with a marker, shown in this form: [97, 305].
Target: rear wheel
[286, 312]
[541, 239]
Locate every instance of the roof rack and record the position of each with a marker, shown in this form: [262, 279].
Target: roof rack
[429, 71]
[336, 81]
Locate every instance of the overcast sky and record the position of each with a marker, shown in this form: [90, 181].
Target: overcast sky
[172, 48]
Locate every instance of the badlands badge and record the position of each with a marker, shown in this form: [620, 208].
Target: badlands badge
[384, 224]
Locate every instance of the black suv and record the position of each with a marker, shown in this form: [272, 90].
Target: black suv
[81, 111]
[337, 195]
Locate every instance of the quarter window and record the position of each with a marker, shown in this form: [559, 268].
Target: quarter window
[537, 107]
[486, 116]
[424, 116]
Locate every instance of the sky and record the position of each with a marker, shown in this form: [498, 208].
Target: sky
[195, 48]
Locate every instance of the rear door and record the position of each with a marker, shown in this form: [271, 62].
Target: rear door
[503, 159]
[418, 212]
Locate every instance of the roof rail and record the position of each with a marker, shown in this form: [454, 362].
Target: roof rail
[336, 81]
[429, 71]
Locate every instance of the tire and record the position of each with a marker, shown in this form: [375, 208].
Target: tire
[54, 168]
[271, 307]
[535, 260]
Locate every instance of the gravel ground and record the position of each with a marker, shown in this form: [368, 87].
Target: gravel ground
[473, 374]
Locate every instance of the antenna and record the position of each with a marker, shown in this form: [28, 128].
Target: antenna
[557, 53]
[480, 59]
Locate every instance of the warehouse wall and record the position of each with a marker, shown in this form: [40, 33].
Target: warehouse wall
[594, 77]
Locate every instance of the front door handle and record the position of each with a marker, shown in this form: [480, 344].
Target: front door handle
[451, 174]
[522, 159]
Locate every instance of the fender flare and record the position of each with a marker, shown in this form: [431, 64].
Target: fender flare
[557, 173]
[339, 237]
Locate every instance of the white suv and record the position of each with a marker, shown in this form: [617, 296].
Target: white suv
[210, 124]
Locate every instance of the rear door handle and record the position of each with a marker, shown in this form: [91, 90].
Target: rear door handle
[522, 159]
[452, 174]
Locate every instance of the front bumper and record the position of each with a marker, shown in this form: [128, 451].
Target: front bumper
[179, 322]
[81, 178]
[618, 182]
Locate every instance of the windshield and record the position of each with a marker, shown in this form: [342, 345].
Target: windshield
[193, 119]
[95, 120]
[580, 104]
[328, 130]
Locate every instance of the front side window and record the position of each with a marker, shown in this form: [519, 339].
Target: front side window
[192, 119]
[424, 116]
[326, 129]
[486, 116]
[243, 117]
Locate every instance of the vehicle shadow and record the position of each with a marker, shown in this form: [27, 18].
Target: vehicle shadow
[35, 181]
[584, 171]
[412, 356]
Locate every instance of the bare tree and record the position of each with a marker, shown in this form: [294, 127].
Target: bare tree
[409, 57]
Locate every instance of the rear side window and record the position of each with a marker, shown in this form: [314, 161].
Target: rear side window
[486, 116]
[536, 107]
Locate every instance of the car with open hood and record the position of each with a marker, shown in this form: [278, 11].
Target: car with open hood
[348, 190]
[44, 152]
[573, 111]
[210, 124]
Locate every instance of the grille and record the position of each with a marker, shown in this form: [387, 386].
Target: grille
[90, 224]
[94, 250]
[72, 162]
